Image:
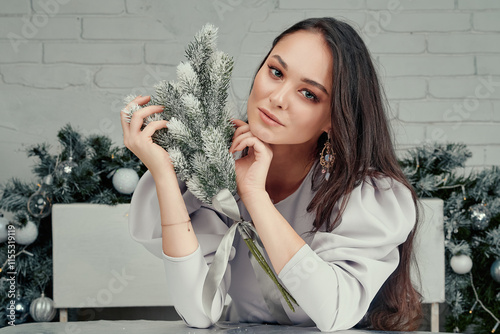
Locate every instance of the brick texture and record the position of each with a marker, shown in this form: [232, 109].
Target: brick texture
[74, 61]
[80, 7]
[48, 76]
[464, 43]
[429, 21]
[125, 28]
[12, 7]
[478, 5]
[93, 53]
[23, 53]
[399, 5]
[406, 65]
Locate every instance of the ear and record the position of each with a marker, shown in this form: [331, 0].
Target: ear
[327, 124]
[327, 128]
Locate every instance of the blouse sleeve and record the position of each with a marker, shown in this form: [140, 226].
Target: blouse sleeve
[335, 278]
[185, 275]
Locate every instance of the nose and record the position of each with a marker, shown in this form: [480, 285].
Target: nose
[279, 97]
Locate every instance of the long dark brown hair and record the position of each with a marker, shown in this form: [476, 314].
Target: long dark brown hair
[362, 143]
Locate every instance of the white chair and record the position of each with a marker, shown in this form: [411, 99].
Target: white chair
[429, 254]
[97, 264]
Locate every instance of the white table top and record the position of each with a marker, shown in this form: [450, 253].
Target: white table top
[159, 327]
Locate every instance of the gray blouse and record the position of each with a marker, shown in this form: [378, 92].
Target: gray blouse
[334, 277]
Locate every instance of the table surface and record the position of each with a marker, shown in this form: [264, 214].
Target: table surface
[160, 327]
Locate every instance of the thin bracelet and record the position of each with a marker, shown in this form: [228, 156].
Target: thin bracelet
[185, 222]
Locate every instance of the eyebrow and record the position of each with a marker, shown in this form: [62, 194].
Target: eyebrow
[308, 81]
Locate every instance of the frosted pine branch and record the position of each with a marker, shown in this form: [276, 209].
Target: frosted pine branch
[199, 51]
[179, 161]
[199, 131]
[182, 135]
[188, 79]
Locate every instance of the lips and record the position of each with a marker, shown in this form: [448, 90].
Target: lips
[270, 117]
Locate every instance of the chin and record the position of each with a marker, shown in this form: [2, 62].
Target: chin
[264, 134]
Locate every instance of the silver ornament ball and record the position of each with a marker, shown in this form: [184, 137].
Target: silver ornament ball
[27, 234]
[495, 270]
[461, 264]
[42, 309]
[3, 228]
[17, 310]
[480, 216]
[39, 205]
[66, 167]
[125, 180]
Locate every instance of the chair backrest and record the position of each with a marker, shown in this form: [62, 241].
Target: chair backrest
[430, 252]
[97, 264]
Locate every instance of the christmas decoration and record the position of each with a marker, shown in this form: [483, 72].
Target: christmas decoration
[471, 226]
[27, 234]
[3, 228]
[125, 180]
[40, 203]
[88, 182]
[495, 271]
[479, 216]
[199, 131]
[66, 167]
[461, 264]
[42, 309]
[17, 310]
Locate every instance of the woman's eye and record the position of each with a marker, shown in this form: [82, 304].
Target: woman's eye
[275, 72]
[310, 96]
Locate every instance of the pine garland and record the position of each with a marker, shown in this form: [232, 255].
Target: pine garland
[89, 181]
[437, 171]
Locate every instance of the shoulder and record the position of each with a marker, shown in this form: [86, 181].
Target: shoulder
[378, 216]
[380, 203]
[383, 192]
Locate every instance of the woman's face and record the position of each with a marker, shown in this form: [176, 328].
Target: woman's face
[290, 99]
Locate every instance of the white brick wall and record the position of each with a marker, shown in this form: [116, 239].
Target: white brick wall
[73, 61]
[456, 43]
[16, 6]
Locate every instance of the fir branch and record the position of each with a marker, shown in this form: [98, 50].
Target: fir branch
[202, 47]
[183, 136]
[87, 182]
[492, 240]
[188, 79]
[47, 162]
[72, 142]
[180, 163]
[15, 194]
[434, 170]
[194, 106]
[479, 300]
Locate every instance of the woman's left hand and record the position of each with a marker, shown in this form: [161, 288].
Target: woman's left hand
[251, 170]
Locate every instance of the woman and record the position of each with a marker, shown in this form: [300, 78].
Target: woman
[320, 182]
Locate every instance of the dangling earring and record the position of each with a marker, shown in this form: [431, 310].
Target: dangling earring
[327, 158]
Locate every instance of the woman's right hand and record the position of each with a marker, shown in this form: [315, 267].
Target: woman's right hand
[140, 142]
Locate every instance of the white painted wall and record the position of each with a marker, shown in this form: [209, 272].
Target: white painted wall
[73, 60]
